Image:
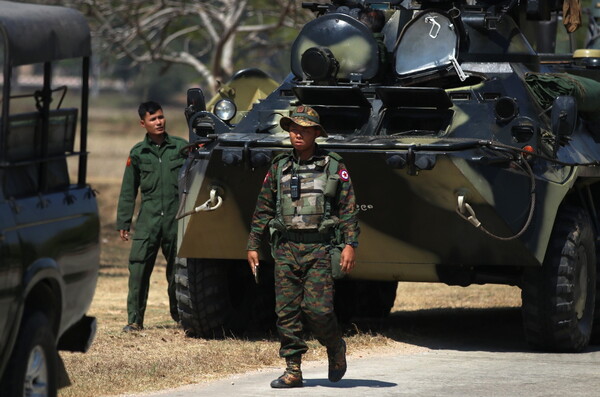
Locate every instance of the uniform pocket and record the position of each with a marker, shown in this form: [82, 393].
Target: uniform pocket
[175, 163]
[147, 176]
[146, 167]
[139, 247]
[335, 253]
[176, 158]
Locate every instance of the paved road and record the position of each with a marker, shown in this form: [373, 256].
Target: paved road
[434, 373]
[469, 353]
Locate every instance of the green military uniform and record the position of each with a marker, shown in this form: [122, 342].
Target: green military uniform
[153, 169]
[303, 278]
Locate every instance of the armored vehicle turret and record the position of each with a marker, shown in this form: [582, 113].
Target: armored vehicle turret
[472, 145]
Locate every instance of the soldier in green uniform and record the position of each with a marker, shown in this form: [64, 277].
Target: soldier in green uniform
[152, 168]
[308, 204]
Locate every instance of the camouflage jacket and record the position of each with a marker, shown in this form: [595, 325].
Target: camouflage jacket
[343, 205]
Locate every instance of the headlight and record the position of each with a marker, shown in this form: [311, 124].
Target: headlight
[225, 109]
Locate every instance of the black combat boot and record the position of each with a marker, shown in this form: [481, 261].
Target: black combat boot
[337, 362]
[292, 377]
[133, 327]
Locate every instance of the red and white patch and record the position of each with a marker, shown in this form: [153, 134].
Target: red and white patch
[344, 176]
[266, 177]
[128, 161]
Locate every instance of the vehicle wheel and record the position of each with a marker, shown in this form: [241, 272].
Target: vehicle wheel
[558, 298]
[595, 337]
[218, 298]
[32, 368]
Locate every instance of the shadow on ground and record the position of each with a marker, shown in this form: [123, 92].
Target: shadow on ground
[493, 329]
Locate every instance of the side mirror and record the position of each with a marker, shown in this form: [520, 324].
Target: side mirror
[564, 116]
[195, 102]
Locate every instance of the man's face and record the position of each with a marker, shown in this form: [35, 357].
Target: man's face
[154, 123]
[303, 138]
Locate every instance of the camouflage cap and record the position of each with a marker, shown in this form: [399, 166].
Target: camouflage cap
[304, 116]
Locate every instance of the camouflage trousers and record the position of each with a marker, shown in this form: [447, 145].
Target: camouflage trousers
[304, 295]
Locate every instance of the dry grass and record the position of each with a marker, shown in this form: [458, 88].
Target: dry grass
[161, 356]
[419, 296]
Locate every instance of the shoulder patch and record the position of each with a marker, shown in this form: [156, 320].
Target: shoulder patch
[128, 161]
[344, 176]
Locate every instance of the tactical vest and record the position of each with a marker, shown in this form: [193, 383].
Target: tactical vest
[318, 186]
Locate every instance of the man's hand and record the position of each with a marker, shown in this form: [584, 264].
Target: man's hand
[253, 261]
[124, 235]
[347, 259]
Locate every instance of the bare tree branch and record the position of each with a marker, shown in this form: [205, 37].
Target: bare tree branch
[201, 34]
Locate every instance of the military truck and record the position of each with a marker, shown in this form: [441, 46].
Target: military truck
[49, 224]
[472, 144]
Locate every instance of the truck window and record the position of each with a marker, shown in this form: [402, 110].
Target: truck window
[29, 162]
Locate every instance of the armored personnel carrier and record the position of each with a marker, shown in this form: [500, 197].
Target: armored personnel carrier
[472, 146]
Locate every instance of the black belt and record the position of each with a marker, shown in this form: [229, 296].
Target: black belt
[307, 237]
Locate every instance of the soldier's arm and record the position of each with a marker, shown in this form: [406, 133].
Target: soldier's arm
[346, 205]
[129, 190]
[265, 209]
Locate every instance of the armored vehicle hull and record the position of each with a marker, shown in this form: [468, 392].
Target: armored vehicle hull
[463, 173]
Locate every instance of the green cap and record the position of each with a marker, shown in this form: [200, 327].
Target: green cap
[304, 116]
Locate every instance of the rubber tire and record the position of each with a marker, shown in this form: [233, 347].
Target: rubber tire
[35, 334]
[219, 298]
[550, 294]
[595, 337]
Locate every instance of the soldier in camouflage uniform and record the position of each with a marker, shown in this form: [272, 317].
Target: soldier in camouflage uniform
[152, 169]
[305, 204]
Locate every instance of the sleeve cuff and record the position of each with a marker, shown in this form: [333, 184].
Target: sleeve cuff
[252, 245]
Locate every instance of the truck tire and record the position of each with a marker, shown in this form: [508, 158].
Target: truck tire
[32, 368]
[595, 337]
[219, 298]
[558, 298]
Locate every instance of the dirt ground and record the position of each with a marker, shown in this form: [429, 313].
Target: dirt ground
[162, 356]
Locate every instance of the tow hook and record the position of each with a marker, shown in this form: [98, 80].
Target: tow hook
[465, 210]
[215, 201]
